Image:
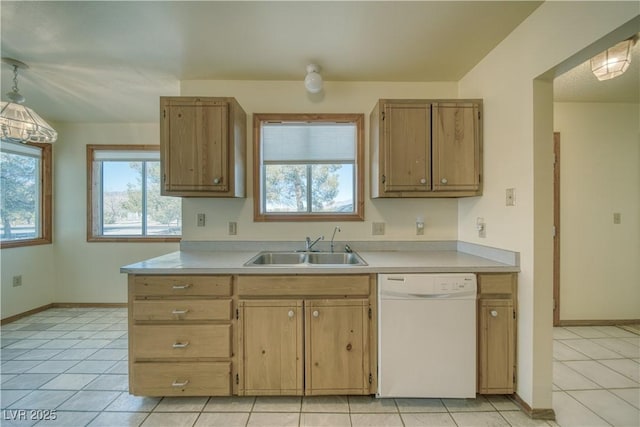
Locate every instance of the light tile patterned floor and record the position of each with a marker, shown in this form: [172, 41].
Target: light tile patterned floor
[71, 364]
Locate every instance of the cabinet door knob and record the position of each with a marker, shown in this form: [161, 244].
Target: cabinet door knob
[217, 180]
[444, 180]
[290, 313]
[494, 313]
[423, 181]
[316, 313]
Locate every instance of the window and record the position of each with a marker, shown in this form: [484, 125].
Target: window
[124, 200]
[308, 167]
[25, 199]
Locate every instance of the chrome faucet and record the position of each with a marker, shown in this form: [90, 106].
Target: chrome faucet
[309, 244]
[334, 235]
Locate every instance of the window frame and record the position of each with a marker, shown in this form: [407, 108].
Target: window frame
[45, 201]
[93, 214]
[258, 190]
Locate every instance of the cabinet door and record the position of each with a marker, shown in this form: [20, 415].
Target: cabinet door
[456, 146]
[496, 356]
[270, 347]
[336, 346]
[194, 144]
[407, 149]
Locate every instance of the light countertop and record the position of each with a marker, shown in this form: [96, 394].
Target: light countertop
[443, 259]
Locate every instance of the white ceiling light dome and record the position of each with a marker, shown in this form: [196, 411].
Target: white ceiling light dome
[313, 80]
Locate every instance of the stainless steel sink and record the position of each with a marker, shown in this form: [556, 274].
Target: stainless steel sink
[334, 258]
[270, 258]
[328, 259]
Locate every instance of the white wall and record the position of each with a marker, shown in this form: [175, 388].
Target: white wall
[600, 175]
[339, 97]
[517, 141]
[36, 265]
[90, 271]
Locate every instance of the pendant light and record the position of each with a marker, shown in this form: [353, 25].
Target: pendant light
[19, 123]
[613, 61]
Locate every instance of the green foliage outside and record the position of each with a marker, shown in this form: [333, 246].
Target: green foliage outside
[19, 194]
[286, 187]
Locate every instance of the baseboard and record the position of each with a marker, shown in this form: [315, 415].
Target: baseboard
[62, 305]
[534, 413]
[599, 322]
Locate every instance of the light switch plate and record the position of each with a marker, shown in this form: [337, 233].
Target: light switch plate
[233, 228]
[510, 197]
[200, 222]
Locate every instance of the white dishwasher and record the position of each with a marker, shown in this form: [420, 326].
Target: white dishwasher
[427, 335]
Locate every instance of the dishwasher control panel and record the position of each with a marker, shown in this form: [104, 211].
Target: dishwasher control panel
[456, 285]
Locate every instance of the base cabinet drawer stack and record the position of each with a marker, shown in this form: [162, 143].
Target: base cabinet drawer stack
[180, 335]
[497, 333]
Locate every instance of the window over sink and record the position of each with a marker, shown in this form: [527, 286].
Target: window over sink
[308, 167]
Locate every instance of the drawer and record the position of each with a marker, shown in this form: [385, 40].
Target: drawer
[165, 285]
[177, 310]
[181, 341]
[304, 286]
[181, 379]
[495, 284]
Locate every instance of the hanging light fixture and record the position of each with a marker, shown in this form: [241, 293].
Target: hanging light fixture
[313, 80]
[613, 61]
[19, 123]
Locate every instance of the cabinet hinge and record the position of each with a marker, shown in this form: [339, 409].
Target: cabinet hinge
[479, 115]
[384, 178]
[514, 314]
[164, 177]
[383, 115]
[370, 313]
[164, 114]
[370, 378]
[237, 314]
[237, 379]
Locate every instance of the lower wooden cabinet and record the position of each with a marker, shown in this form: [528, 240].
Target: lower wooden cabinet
[180, 335]
[310, 346]
[497, 333]
[270, 347]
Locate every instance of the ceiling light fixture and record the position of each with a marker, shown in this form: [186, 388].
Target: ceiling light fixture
[613, 61]
[313, 80]
[19, 123]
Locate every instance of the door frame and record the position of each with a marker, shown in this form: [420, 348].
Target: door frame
[556, 229]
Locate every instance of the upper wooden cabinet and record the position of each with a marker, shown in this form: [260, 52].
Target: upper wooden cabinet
[426, 148]
[202, 147]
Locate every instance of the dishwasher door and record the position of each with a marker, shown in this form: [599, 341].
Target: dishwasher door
[427, 335]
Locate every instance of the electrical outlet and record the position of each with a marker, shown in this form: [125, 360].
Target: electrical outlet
[377, 228]
[17, 281]
[233, 228]
[201, 219]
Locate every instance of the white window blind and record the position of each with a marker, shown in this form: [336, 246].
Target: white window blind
[308, 142]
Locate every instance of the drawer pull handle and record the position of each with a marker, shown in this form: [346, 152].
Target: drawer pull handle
[187, 286]
[494, 313]
[178, 384]
[180, 344]
[177, 312]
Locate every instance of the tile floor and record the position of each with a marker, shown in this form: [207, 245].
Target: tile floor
[70, 364]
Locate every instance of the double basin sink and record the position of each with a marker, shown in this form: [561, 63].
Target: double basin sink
[331, 259]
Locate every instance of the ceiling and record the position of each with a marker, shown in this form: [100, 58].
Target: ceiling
[110, 61]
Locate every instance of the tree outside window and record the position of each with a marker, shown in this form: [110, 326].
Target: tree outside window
[126, 204]
[25, 194]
